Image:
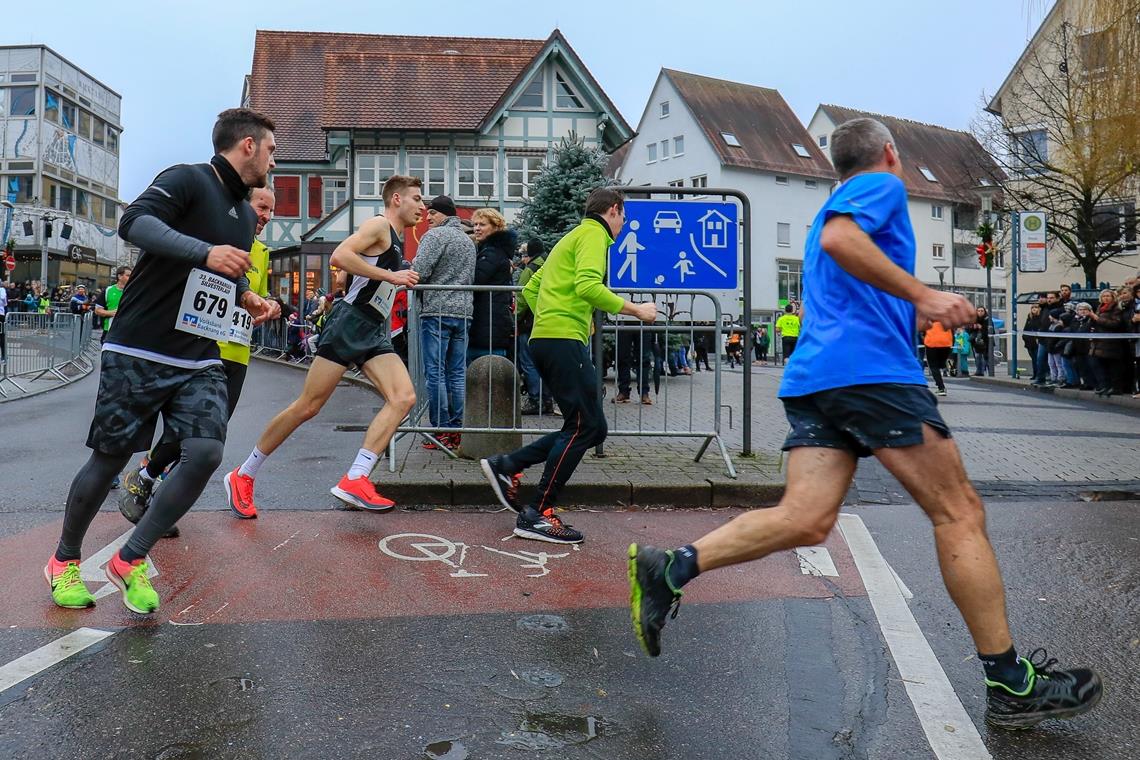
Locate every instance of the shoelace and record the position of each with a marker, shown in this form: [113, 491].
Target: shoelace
[138, 575]
[1041, 663]
[556, 524]
[69, 577]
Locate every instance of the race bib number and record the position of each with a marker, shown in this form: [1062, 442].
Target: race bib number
[382, 299]
[207, 305]
[241, 326]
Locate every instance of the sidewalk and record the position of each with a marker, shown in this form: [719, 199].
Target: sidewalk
[634, 471]
[1070, 394]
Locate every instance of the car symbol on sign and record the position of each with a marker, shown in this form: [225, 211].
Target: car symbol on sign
[667, 220]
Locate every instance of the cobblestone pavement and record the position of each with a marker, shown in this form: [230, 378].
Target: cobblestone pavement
[1015, 443]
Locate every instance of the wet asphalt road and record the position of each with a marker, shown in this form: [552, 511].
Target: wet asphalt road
[299, 636]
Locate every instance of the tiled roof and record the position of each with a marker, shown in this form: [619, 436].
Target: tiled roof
[451, 92]
[956, 159]
[291, 72]
[760, 119]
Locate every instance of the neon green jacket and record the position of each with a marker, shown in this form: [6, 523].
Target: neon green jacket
[571, 284]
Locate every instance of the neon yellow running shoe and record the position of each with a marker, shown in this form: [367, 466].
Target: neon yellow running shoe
[67, 588]
[138, 595]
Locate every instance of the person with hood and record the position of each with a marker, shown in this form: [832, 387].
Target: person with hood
[1078, 350]
[492, 325]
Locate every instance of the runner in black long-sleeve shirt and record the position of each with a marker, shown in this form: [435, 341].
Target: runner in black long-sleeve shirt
[194, 226]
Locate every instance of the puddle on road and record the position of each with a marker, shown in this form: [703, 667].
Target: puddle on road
[541, 677]
[545, 731]
[543, 624]
[446, 750]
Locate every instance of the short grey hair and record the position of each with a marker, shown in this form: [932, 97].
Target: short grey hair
[858, 144]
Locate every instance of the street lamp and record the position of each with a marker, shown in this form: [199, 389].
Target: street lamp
[941, 269]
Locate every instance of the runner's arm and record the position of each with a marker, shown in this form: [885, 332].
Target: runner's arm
[856, 253]
[146, 221]
[349, 255]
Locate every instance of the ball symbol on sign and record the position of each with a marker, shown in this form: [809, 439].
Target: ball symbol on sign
[659, 279]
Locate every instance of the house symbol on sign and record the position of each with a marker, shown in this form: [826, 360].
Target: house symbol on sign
[714, 229]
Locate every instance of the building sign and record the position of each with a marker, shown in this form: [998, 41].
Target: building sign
[1031, 244]
[81, 253]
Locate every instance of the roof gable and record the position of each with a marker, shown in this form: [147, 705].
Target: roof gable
[291, 69]
[558, 47]
[954, 158]
[759, 118]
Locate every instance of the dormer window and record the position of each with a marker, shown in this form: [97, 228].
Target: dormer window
[800, 150]
[565, 97]
[534, 96]
[730, 139]
[928, 174]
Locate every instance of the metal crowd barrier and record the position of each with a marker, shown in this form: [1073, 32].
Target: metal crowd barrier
[283, 340]
[36, 345]
[624, 334]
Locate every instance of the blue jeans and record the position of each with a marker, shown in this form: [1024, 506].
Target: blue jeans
[1071, 376]
[529, 372]
[445, 349]
[1042, 363]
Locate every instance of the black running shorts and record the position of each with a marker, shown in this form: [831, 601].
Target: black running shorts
[350, 337]
[862, 418]
[133, 392]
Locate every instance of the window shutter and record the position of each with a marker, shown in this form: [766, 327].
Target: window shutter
[288, 190]
[316, 196]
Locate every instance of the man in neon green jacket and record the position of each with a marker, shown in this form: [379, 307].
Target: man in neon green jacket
[563, 295]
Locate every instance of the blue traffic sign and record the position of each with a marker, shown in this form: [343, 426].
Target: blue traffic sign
[676, 244]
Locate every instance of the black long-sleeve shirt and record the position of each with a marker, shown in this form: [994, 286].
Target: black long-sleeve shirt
[176, 220]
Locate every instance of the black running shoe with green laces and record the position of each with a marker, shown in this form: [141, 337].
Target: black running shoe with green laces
[651, 597]
[1048, 694]
[136, 495]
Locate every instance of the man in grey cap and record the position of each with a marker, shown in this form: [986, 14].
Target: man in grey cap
[446, 256]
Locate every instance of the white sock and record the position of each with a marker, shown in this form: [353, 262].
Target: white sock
[253, 463]
[362, 467]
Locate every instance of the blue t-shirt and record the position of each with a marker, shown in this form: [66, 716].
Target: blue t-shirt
[854, 333]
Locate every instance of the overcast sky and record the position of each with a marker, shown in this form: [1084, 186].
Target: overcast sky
[178, 64]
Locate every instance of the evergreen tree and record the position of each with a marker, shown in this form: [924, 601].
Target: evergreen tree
[558, 193]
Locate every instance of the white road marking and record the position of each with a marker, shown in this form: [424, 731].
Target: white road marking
[816, 560]
[23, 668]
[91, 569]
[951, 733]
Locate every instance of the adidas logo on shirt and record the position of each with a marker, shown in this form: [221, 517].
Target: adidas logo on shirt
[234, 213]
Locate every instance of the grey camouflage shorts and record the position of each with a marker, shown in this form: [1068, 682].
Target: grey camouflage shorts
[133, 392]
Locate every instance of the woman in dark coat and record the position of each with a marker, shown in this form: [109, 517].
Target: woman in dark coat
[980, 340]
[492, 324]
[1109, 360]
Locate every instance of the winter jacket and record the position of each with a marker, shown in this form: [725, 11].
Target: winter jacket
[1080, 326]
[492, 326]
[1030, 326]
[446, 256]
[1110, 320]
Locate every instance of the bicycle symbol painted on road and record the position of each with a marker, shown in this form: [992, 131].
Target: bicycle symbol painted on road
[424, 547]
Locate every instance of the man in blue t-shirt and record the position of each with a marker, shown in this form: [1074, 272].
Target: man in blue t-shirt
[854, 388]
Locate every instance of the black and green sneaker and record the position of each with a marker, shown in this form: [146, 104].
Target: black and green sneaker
[136, 495]
[1048, 694]
[651, 597]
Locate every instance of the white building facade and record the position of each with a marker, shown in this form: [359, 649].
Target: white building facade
[702, 132]
[59, 157]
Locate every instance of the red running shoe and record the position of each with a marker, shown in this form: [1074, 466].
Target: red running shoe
[359, 492]
[239, 493]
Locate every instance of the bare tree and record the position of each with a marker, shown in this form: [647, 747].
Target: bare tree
[1066, 132]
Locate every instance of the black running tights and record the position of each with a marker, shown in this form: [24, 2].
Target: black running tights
[200, 457]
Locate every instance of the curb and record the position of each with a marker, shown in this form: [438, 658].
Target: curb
[615, 495]
[1068, 394]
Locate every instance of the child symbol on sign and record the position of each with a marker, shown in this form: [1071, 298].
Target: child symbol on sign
[684, 265]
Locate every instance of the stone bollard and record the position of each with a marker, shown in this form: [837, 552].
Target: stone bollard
[494, 375]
